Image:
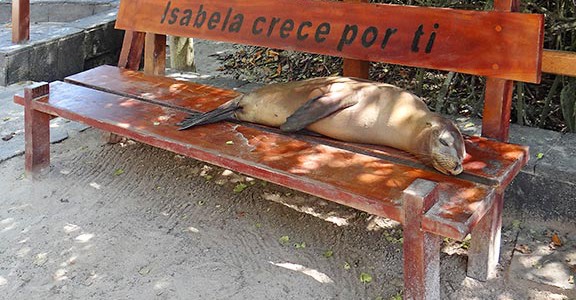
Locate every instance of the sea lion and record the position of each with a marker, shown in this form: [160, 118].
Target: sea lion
[351, 110]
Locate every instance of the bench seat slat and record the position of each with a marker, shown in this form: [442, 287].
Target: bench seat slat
[488, 162]
[361, 181]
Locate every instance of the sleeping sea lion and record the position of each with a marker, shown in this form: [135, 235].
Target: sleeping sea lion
[351, 110]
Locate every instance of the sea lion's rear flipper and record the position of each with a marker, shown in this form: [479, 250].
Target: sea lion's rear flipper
[223, 112]
[315, 109]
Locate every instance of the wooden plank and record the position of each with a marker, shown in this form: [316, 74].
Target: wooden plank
[503, 45]
[484, 251]
[497, 109]
[353, 67]
[487, 162]
[20, 21]
[155, 54]
[421, 250]
[498, 94]
[132, 48]
[360, 181]
[36, 131]
[559, 62]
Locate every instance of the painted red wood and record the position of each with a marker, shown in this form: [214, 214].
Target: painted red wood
[488, 162]
[497, 109]
[36, 131]
[132, 49]
[484, 251]
[353, 67]
[20, 21]
[421, 249]
[503, 45]
[364, 182]
[155, 54]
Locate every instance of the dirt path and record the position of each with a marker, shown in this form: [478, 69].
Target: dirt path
[129, 221]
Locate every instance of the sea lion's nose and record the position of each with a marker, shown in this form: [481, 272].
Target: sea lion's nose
[457, 169]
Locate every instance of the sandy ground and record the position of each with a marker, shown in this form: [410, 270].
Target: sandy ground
[129, 221]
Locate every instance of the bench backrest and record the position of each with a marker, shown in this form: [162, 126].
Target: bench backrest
[502, 45]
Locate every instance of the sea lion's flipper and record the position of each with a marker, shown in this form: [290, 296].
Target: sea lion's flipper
[315, 109]
[223, 112]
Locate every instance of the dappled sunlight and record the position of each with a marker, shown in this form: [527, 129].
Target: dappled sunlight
[84, 238]
[177, 87]
[129, 103]
[376, 223]
[123, 125]
[69, 228]
[60, 275]
[22, 252]
[95, 185]
[313, 207]
[192, 229]
[161, 284]
[317, 275]
[8, 224]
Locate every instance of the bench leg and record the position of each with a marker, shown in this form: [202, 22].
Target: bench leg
[36, 131]
[484, 250]
[421, 249]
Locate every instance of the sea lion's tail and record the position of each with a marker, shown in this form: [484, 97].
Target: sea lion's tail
[223, 112]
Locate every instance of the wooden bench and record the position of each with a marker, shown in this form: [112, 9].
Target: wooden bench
[145, 106]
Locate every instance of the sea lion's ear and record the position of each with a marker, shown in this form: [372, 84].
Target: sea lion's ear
[315, 109]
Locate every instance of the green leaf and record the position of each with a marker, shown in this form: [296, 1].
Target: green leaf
[284, 239]
[118, 172]
[328, 253]
[6, 119]
[365, 277]
[258, 225]
[347, 266]
[229, 142]
[239, 187]
[300, 245]
[540, 155]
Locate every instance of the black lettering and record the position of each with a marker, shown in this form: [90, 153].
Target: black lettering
[166, 12]
[174, 15]
[187, 17]
[214, 20]
[431, 39]
[369, 31]
[389, 33]
[272, 24]
[200, 17]
[323, 29]
[299, 35]
[256, 31]
[416, 39]
[237, 24]
[228, 13]
[286, 27]
[345, 39]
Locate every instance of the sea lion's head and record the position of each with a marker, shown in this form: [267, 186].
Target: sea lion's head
[442, 146]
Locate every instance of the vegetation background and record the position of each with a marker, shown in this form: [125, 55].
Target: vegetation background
[549, 105]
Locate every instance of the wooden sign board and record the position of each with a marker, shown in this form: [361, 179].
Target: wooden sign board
[498, 44]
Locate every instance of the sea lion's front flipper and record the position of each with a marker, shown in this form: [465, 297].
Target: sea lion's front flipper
[315, 109]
